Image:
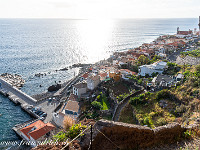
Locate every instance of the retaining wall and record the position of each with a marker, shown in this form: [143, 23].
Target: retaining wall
[128, 136]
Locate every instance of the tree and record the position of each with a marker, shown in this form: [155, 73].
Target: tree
[142, 60]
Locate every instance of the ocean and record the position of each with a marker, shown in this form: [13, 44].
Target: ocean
[32, 46]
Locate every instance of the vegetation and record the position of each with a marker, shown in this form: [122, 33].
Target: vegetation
[155, 59]
[173, 68]
[194, 53]
[73, 131]
[149, 111]
[97, 105]
[127, 115]
[68, 122]
[142, 60]
[101, 103]
[121, 97]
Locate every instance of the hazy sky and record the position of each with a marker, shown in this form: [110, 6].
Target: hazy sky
[85, 9]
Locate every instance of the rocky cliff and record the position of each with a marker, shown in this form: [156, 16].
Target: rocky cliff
[188, 60]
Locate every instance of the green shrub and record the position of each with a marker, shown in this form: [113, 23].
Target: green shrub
[97, 105]
[60, 136]
[162, 94]
[188, 134]
[98, 97]
[161, 121]
[75, 130]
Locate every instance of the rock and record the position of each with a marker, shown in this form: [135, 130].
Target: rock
[64, 69]
[54, 87]
[188, 60]
[15, 80]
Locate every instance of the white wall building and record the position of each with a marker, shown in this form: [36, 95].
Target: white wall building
[157, 67]
[93, 81]
[79, 88]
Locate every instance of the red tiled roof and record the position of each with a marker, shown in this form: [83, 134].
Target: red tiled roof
[85, 75]
[103, 74]
[184, 32]
[128, 71]
[36, 134]
[41, 129]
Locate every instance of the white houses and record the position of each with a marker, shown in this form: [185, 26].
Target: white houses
[93, 81]
[79, 88]
[157, 67]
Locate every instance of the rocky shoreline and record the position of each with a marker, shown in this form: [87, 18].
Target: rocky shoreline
[15, 80]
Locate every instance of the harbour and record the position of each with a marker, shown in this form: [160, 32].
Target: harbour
[32, 106]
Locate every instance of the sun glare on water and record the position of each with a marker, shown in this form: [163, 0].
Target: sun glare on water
[94, 37]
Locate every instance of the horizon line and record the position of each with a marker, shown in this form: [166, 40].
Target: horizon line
[98, 18]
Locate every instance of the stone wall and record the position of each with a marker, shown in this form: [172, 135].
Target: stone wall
[128, 136]
[188, 60]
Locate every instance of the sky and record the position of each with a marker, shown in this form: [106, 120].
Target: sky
[99, 9]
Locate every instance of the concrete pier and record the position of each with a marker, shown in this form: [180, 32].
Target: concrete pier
[15, 94]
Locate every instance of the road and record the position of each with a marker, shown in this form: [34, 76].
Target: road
[172, 57]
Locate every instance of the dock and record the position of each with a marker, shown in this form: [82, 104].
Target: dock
[14, 94]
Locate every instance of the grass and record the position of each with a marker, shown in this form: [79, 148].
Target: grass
[148, 111]
[105, 103]
[126, 115]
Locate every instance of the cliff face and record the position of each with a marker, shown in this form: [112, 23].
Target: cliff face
[128, 136]
[188, 60]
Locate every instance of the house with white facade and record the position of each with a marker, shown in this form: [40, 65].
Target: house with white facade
[93, 81]
[37, 131]
[79, 88]
[157, 67]
[70, 108]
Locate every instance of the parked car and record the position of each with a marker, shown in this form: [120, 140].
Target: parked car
[44, 115]
[40, 113]
[42, 118]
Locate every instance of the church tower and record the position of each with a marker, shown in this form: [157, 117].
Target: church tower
[199, 23]
[177, 30]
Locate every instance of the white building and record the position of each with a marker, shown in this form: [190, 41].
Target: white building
[71, 108]
[157, 67]
[79, 88]
[93, 81]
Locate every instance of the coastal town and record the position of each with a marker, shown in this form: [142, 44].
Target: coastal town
[112, 89]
